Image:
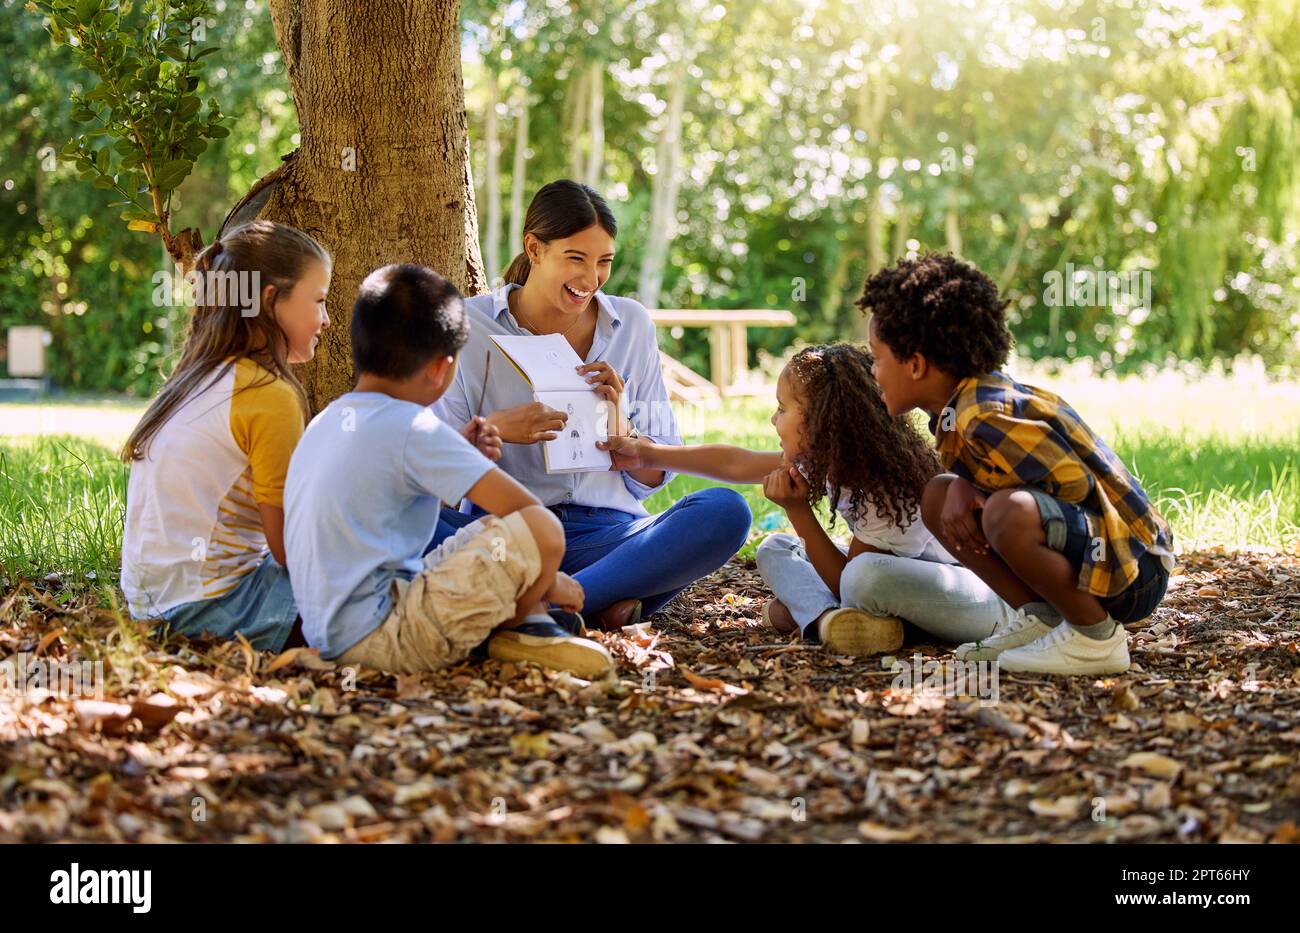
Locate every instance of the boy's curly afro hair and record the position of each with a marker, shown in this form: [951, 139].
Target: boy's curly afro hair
[945, 309]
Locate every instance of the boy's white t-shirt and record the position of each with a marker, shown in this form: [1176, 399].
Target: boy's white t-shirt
[871, 527]
[361, 504]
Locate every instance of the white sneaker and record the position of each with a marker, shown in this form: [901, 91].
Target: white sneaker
[1065, 650]
[1020, 629]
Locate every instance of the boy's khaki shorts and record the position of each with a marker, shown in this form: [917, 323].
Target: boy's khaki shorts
[470, 585]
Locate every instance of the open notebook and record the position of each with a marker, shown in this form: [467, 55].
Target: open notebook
[549, 365]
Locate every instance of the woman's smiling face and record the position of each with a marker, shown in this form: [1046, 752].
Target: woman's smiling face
[567, 273]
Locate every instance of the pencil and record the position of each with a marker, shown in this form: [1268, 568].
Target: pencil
[487, 367]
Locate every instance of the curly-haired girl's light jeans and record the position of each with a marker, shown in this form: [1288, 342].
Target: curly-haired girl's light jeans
[946, 600]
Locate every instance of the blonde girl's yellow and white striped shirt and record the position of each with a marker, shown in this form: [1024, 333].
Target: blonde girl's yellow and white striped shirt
[193, 529]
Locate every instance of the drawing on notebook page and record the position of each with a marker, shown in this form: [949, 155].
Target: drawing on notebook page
[549, 364]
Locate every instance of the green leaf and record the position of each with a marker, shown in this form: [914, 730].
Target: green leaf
[137, 213]
[172, 174]
[217, 131]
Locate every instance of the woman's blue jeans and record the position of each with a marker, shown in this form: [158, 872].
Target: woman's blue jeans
[616, 555]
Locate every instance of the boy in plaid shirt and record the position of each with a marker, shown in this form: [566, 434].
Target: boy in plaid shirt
[1034, 502]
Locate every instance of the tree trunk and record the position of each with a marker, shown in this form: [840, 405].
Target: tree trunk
[577, 113]
[492, 240]
[872, 98]
[596, 123]
[875, 247]
[517, 177]
[902, 228]
[952, 225]
[663, 197]
[1013, 260]
[382, 174]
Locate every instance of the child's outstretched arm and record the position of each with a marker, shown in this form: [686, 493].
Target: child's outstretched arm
[713, 461]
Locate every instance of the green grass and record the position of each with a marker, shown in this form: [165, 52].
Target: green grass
[62, 501]
[1240, 492]
[1219, 456]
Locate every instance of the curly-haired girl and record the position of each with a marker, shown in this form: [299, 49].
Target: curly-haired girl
[837, 439]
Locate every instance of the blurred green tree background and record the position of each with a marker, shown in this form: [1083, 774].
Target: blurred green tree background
[771, 154]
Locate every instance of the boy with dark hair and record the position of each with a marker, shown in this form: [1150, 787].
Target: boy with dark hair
[1036, 504]
[362, 497]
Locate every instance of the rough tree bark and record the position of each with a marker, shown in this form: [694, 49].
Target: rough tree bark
[382, 173]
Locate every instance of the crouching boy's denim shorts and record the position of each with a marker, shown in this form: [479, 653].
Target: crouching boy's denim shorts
[1067, 531]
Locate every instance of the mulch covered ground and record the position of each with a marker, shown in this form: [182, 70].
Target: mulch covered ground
[715, 729]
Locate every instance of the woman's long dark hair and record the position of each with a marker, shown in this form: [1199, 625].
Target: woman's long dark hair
[852, 441]
[560, 210]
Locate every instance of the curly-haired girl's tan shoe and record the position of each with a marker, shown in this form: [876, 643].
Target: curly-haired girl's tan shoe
[859, 633]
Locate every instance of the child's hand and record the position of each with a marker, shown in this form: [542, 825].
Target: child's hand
[628, 453]
[485, 436]
[958, 518]
[566, 593]
[787, 488]
[528, 424]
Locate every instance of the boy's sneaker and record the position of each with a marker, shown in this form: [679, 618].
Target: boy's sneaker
[540, 640]
[859, 633]
[1067, 651]
[1020, 629]
[571, 622]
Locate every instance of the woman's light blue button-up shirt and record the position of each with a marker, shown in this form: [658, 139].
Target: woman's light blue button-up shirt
[625, 338]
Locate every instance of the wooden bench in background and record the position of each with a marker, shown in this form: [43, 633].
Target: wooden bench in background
[728, 351]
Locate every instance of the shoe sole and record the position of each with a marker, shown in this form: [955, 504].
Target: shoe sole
[976, 653]
[861, 634]
[580, 656]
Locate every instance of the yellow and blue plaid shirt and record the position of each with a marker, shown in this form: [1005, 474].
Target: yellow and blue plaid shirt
[999, 434]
